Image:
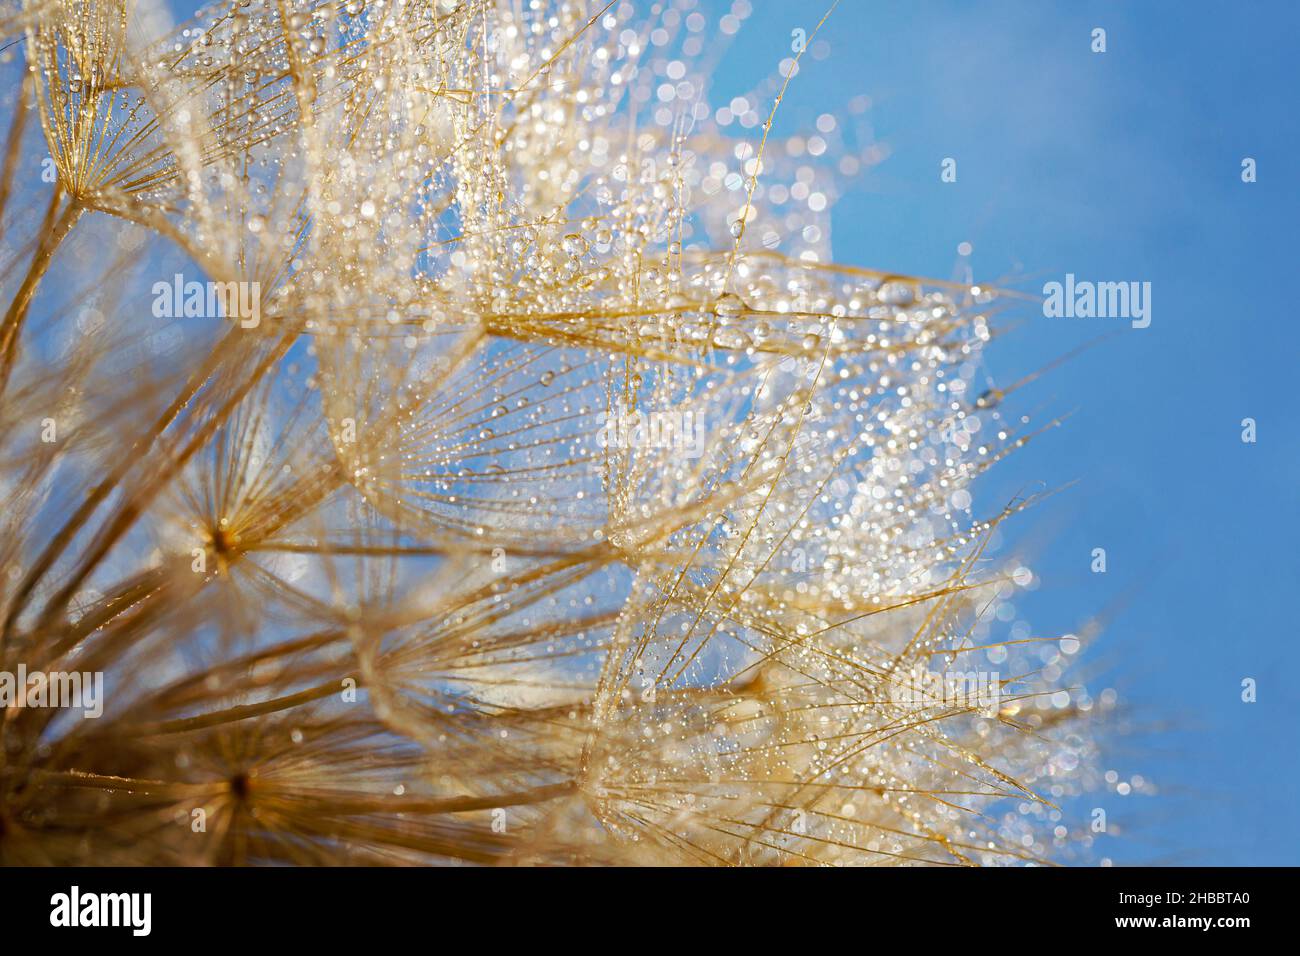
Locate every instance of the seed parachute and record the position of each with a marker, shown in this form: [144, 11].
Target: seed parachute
[374, 579]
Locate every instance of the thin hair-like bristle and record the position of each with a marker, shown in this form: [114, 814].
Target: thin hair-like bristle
[446, 440]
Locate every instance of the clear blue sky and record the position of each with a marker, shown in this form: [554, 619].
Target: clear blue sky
[1117, 166]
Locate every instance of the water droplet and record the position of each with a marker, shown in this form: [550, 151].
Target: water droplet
[729, 304]
[732, 339]
[896, 293]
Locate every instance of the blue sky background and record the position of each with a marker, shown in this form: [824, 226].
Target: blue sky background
[1117, 166]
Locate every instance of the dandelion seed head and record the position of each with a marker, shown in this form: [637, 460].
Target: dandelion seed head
[564, 471]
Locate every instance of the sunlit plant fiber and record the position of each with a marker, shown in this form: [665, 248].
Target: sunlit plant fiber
[478, 229]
